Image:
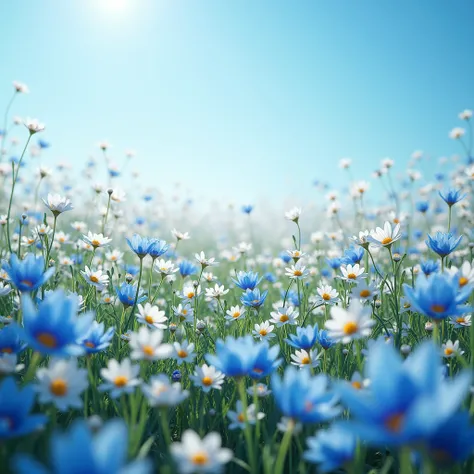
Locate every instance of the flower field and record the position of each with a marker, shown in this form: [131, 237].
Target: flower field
[331, 338]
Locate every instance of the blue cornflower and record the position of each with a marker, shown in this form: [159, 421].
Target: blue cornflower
[305, 338]
[127, 293]
[334, 263]
[114, 172]
[131, 269]
[331, 448]
[324, 340]
[417, 234]
[43, 144]
[10, 342]
[429, 266]
[453, 441]
[352, 256]
[140, 245]
[452, 196]
[325, 272]
[97, 338]
[15, 406]
[55, 327]
[408, 401]
[439, 176]
[291, 296]
[159, 248]
[27, 274]
[235, 357]
[76, 258]
[443, 243]
[422, 206]
[301, 396]
[140, 220]
[247, 280]
[270, 277]
[176, 376]
[247, 209]
[78, 451]
[266, 360]
[147, 197]
[438, 296]
[186, 268]
[253, 298]
[285, 257]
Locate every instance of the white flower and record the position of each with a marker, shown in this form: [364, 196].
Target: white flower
[184, 352]
[118, 195]
[304, 358]
[353, 323]
[352, 273]
[205, 262]
[114, 256]
[466, 273]
[34, 126]
[207, 377]
[160, 392]
[196, 455]
[216, 292]
[79, 226]
[465, 114]
[286, 423]
[284, 315]
[239, 418]
[62, 383]
[235, 313]
[5, 289]
[242, 248]
[293, 214]
[264, 330]
[456, 133]
[58, 204]
[180, 235]
[451, 349]
[297, 271]
[190, 292]
[327, 294]
[97, 278]
[61, 237]
[260, 389]
[96, 240]
[21, 87]
[344, 163]
[152, 316]
[120, 377]
[461, 321]
[146, 344]
[364, 291]
[359, 188]
[8, 364]
[42, 230]
[385, 237]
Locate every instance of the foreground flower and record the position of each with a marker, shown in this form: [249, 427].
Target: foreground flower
[15, 407]
[160, 392]
[99, 279]
[207, 377]
[303, 397]
[443, 243]
[55, 327]
[438, 296]
[409, 405]
[62, 383]
[58, 204]
[96, 240]
[27, 274]
[97, 338]
[79, 451]
[284, 315]
[151, 316]
[350, 324]
[120, 377]
[293, 214]
[253, 298]
[34, 125]
[196, 455]
[140, 245]
[385, 237]
[331, 449]
[147, 344]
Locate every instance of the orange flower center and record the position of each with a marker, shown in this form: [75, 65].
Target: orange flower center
[357, 385]
[387, 241]
[6, 350]
[148, 350]
[448, 351]
[90, 344]
[284, 318]
[350, 328]
[47, 339]
[182, 353]
[236, 314]
[241, 417]
[263, 332]
[394, 422]
[200, 458]
[326, 296]
[207, 381]
[94, 279]
[364, 293]
[352, 276]
[27, 283]
[95, 243]
[463, 281]
[58, 387]
[121, 381]
[438, 308]
[298, 273]
[305, 360]
[149, 319]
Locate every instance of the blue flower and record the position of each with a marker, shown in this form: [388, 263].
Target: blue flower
[253, 298]
[15, 406]
[285, 257]
[305, 338]
[422, 206]
[452, 196]
[140, 245]
[266, 360]
[324, 340]
[158, 248]
[43, 144]
[55, 327]
[270, 277]
[186, 268]
[97, 338]
[131, 269]
[438, 296]
[247, 209]
[176, 375]
[429, 266]
[247, 280]
[331, 448]
[79, 451]
[10, 342]
[352, 256]
[334, 263]
[408, 401]
[301, 396]
[27, 274]
[127, 293]
[235, 357]
[443, 243]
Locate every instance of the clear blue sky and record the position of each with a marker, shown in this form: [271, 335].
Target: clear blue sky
[242, 98]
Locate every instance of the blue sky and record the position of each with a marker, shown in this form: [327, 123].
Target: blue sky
[244, 98]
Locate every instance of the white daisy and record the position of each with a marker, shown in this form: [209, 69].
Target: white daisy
[147, 344]
[207, 377]
[120, 377]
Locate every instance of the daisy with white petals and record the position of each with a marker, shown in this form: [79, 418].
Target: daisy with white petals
[207, 377]
[146, 344]
[120, 377]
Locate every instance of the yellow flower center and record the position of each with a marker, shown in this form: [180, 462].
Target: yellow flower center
[352, 276]
[207, 381]
[47, 339]
[58, 387]
[326, 296]
[148, 350]
[191, 294]
[350, 328]
[95, 243]
[89, 344]
[200, 458]
[463, 281]
[182, 354]
[236, 314]
[263, 332]
[241, 417]
[149, 319]
[387, 241]
[305, 360]
[460, 320]
[94, 279]
[394, 422]
[298, 273]
[185, 311]
[121, 381]
[364, 293]
[448, 351]
[284, 318]
[438, 308]
[396, 220]
[357, 385]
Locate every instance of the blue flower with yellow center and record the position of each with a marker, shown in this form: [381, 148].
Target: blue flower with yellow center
[27, 274]
[97, 338]
[253, 298]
